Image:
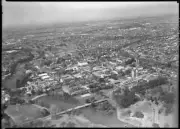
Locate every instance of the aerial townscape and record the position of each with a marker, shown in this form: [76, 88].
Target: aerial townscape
[108, 73]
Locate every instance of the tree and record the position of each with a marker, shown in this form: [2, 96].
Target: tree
[63, 124]
[166, 125]
[38, 123]
[125, 97]
[168, 108]
[168, 97]
[53, 110]
[44, 112]
[31, 101]
[87, 101]
[138, 114]
[169, 64]
[160, 110]
[70, 124]
[155, 125]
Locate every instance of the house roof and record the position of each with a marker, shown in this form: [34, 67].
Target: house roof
[66, 89]
[43, 74]
[82, 63]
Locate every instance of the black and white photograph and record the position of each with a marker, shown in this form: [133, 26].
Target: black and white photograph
[90, 64]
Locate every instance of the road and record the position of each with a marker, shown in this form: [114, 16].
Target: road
[38, 96]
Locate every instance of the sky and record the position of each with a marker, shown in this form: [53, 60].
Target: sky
[29, 13]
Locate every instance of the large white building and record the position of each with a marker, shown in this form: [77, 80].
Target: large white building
[82, 63]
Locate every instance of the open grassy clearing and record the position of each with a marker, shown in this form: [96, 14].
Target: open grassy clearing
[24, 112]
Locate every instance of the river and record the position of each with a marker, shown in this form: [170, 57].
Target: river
[10, 81]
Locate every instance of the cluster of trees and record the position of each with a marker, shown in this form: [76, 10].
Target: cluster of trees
[167, 98]
[142, 87]
[105, 107]
[76, 89]
[46, 62]
[124, 97]
[138, 114]
[127, 72]
[15, 100]
[80, 92]
[7, 121]
[68, 124]
[37, 123]
[3, 108]
[30, 66]
[90, 100]
[129, 61]
[155, 125]
[96, 88]
[44, 113]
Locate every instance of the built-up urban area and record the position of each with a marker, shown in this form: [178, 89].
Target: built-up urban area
[117, 73]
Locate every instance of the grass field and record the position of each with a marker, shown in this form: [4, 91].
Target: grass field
[25, 111]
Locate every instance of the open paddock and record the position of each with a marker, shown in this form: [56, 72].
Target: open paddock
[22, 113]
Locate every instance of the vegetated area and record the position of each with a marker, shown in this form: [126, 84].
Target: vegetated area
[155, 94]
[24, 113]
[133, 63]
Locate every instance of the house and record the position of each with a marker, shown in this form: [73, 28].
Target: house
[77, 75]
[74, 68]
[66, 89]
[66, 76]
[119, 68]
[97, 68]
[99, 74]
[82, 63]
[37, 67]
[86, 87]
[43, 74]
[45, 77]
[28, 71]
[86, 68]
[114, 72]
[112, 63]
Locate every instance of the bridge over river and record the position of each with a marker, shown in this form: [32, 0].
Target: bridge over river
[67, 111]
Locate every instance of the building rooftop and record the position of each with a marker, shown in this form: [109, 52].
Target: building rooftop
[86, 95]
[45, 77]
[66, 89]
[119, 67]
[43, 74]
[78, 75]
[82, 63]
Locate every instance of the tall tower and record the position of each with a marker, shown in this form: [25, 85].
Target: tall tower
[136, 72]
[132, 73]
[137, 63]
